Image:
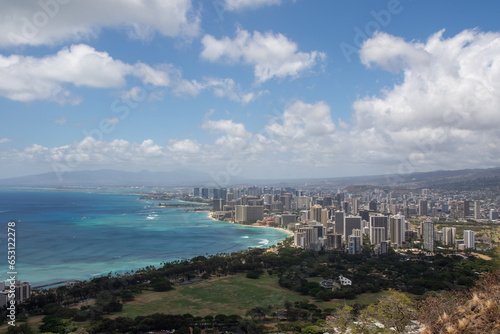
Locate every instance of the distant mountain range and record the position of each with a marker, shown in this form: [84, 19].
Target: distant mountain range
[466, 179]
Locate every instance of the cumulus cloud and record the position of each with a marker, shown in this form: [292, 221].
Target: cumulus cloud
[4, 140]
[271, 55]
[446, 106]
[442, 113]
[54, 21]
[302, 120]
[393, 53]
[228, 126]
[50, 78]
[236, 5]
[26, 78]
[457, 85]
[183, 146]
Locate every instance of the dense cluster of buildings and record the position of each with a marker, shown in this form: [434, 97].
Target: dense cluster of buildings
[18, 292]
[343, 221]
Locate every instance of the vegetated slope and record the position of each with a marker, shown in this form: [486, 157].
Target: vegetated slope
[475, 311]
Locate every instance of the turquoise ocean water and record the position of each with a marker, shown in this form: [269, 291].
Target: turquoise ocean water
[62, 235]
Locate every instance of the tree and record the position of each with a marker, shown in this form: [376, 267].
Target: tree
[394, 310]
[257, 312]
[161, 284]
[22, 329]
[343, 318]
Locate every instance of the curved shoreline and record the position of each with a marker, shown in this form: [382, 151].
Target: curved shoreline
[290, 233]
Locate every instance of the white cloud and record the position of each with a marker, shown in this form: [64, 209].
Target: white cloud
[228, 126]
[393, 53]
[444, 114]
[4, 140]
[55, 21]
[228, 88]
[236, 138]
[457, 86]
[236, 5]
[183, 146]
[26, 78]
[441, 114]
[271, 55]
[302, 120]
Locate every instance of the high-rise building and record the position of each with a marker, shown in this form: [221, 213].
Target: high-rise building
[339, 222]
[428, 235]
[248, 213]
[449, 235]
[355, 206]
[397, 229]
[318, 226]
[333, 241]
[324, 217]
[358, 233]
[422, 205]
[493, 214]
[351, 223]
[379, 221]
[477, 210]
[304, 216]
[299, 239]
[22, 292]
[303, 202]
[454, 209]
[196, 192]
[286, 199]
[287, 219]
[466, 209]
[218, 204]
[373, 206]
[316, 213]
[377, 235]
[310, 235]
[469, 240]
[354, 244]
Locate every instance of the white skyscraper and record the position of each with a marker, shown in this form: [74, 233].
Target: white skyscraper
[397, 228]
[477, 210]
[469, 240]
[449, 234]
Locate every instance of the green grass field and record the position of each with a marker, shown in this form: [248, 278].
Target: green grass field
[225, 295]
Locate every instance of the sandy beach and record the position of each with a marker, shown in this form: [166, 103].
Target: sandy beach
[276, 228]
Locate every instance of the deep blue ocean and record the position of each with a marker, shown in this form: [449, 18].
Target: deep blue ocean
[63, 235]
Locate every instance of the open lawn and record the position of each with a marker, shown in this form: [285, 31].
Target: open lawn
[34, 322]
[224, 295]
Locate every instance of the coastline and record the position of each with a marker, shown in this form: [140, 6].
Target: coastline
[290, 233]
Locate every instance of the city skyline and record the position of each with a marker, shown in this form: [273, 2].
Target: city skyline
[259, 89]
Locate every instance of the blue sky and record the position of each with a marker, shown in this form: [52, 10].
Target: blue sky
[249, 88]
